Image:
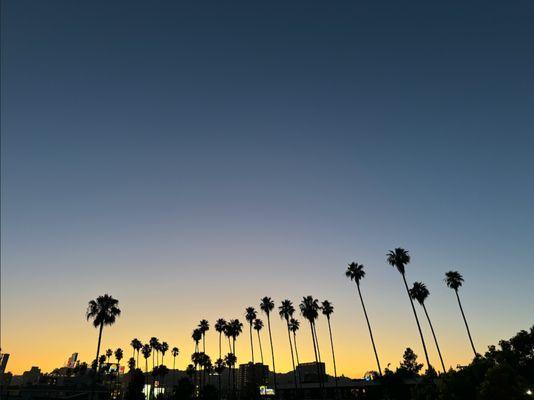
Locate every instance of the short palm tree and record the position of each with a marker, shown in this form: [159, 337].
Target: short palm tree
[146, 350]
[250, 316]
[154, 344]
[420, 293]
[175, 352]
[454, 280]
[399, 258]
[118, 356]
[104, 310]
[327, 309]
[109, 353]
[204, 326]
[258, 326]
[136, 346]
[197, 337]
[230, 360]
[228, 333]
[131, 364]
[286, 311]
[267, 305]
[164, 347]
[355, 272]
[219, 327]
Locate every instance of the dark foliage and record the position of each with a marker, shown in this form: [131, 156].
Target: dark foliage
[134, 390]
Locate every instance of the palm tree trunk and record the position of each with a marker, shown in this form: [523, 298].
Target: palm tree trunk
[465, 321]
[316, 341]
[98, 345]
[251, 342]
[321, 381]
[315, 352]
[435, 338]
[292, 357]
[272, 353]
[204, 343]
[297, 355]
[261, 349]
[332, 345]
[220, 347]
[417, 321]
[370, 330]
[137, 363]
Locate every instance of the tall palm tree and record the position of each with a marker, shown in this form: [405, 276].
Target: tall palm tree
[104, 310]
[154, 343]
[286, 311]
[219, 327]
[309, 309]
[250, 316]
[399, 258]
[454, 280]
[294, 326]
[136, 345]
[327, 310]
[420, 293]
[236, 329]
[146, 350]
[204, 326]
[355, 272]
[164, 347]
[267, 305]
[175, 352]
[228, 333]
[258, 326]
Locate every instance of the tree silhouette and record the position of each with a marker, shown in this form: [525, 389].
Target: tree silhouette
[136, 346]
[250, 316]
[219, 369]
[146, 350]
[104, 310]
[286, 311]
[204, 326]
[267, 305]
[164, 347]
[355, 272]
[258, 326]
[197, 337]
[454, 280]
[420, 293]
[154, 344]
[220, 324]
[399, 258]
[118, 356]
[327, 309]
[309, 309]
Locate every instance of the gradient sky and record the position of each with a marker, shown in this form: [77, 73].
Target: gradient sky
[191, 157]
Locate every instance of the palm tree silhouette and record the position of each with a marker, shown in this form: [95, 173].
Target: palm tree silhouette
[136, 345]
[131, 364]
[196, 336]
[228, 333]
[454, 280]
[204, 326]
[258, 326]
[175, 352]
[164, 347]
[286, 311]
[399, 258]
[327, 310]
[219, 327]
[309, 309]
[230, 360]
[355, 272]
[420, 293]
[109, 353]
[267, 305]
[250, 316]
[154, 343]
[236, 327]
[118, 356]
[104, 310]
[146, 350]
[294, 326]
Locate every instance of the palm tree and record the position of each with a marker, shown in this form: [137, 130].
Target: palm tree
[230, 360]
[154, 343]
[286, 311]
[175, 351]
[228, 333]
[103, 311]
[250, 316]
[420, 293]
[355, 272]
[236, 329]
[258, 326]
[204, 326]
[219, 327]
[109, 353]
[118, 356]
[267, 305]
[164, 347]
[131, 364]
[219, 369]
[294, 326]
[136, 345]
[328, 309]
[309, 309]
[454, 280]
[196, 336]
[146, 350]
[399, 258]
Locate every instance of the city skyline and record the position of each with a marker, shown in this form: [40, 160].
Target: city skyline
[189, 159]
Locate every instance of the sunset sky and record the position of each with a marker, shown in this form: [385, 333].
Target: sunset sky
[191, 157]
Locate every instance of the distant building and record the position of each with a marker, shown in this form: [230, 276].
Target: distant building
[251, 377]
[72, 361]
[311, 372]
[31, 377]
[3, 362]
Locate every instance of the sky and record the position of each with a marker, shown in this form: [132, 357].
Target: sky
[191, 157]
